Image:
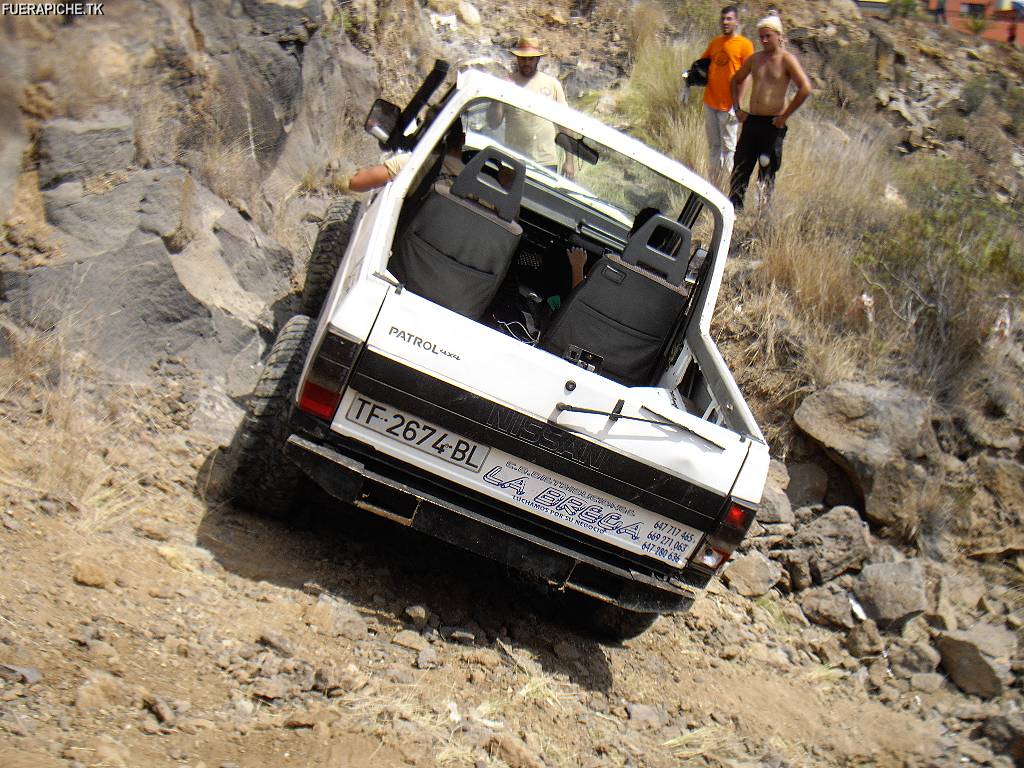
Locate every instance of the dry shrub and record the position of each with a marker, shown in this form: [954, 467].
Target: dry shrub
[813, 264]
[651, 100]
[700, 18]
[59, 430]
[646, 25]
[158, 124]
[229, 165]
[101, 73]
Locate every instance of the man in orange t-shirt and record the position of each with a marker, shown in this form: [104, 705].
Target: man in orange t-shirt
[727, 53]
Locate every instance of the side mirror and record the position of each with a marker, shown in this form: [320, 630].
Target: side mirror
[382, 119]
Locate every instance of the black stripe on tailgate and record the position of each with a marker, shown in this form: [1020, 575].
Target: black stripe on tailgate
[539, 442]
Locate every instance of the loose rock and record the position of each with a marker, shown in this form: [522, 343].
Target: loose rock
[752, 575]
[91, 574]
[865, 640]
[16, 674]
[892, 593]
[836, 542]
[644, 716]
[969, 659]
[277, 643]
[428, 658]
[411, 640]
[828, 606]
[418, 615]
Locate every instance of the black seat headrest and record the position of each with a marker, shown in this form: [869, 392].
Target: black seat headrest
[474, 182]
[647, 252]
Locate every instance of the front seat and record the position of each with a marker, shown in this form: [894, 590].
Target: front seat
[458, 246]
[620, 316]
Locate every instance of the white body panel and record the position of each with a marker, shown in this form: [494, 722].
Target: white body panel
[447, 346]
[365, 305]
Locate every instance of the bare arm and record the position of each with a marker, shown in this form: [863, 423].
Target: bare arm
[738, 86]
[369, 178]
[578, 262]
[803, 89]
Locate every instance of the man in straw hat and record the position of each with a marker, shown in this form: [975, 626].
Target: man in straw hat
[764, 121]
[524, 132]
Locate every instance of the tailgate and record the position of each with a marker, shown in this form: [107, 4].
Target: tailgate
[477, 407]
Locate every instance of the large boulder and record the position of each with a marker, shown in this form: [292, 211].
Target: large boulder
[807, 484]
[892, 593]
[978, 660]
[303, 95]
[883, 439]
[834, 543]
[997, 509]
[277, 17]
[153, 268]
[71, 150]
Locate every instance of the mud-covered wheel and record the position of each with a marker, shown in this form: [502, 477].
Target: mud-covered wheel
[609, 622]
[261, 477]
[331, 242]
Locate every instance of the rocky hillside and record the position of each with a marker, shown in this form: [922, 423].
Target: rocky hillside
[157, 217]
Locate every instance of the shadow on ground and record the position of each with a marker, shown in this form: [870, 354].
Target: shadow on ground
[381, 567]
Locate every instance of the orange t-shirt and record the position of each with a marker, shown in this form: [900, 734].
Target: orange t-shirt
[727, 55]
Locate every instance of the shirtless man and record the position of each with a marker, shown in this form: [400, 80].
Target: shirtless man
[764, 125]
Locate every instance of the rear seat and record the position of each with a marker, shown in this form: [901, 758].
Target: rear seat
[626, 307]
[459, 245]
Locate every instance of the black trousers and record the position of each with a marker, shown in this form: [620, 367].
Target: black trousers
[757, 137]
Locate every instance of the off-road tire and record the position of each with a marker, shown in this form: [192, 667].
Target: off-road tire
[331, 242]
[261, 478]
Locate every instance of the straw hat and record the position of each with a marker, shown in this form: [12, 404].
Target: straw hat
[527, 47]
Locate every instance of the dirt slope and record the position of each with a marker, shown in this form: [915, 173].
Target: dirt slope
[168, 631]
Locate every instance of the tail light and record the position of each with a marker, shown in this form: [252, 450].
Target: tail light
[321, 391]
[730, 532]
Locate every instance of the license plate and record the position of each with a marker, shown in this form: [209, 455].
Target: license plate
[417, 433]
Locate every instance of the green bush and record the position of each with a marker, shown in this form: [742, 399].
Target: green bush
[941, 267]
[973, 93]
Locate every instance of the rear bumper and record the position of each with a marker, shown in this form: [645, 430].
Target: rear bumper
[354, 473]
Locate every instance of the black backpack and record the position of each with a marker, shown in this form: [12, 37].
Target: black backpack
[697, 74]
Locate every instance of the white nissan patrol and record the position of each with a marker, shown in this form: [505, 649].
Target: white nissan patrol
[450, 374]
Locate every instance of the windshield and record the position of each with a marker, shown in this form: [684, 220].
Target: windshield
[621, 186]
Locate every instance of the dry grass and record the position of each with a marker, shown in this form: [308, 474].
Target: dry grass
[101, 74]
[698, 742]
[158, 124]
[858, 267]
[59, 433]
[229, 165]
[651, 102]
[544, 688]
[647, 24]
[824, 677]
